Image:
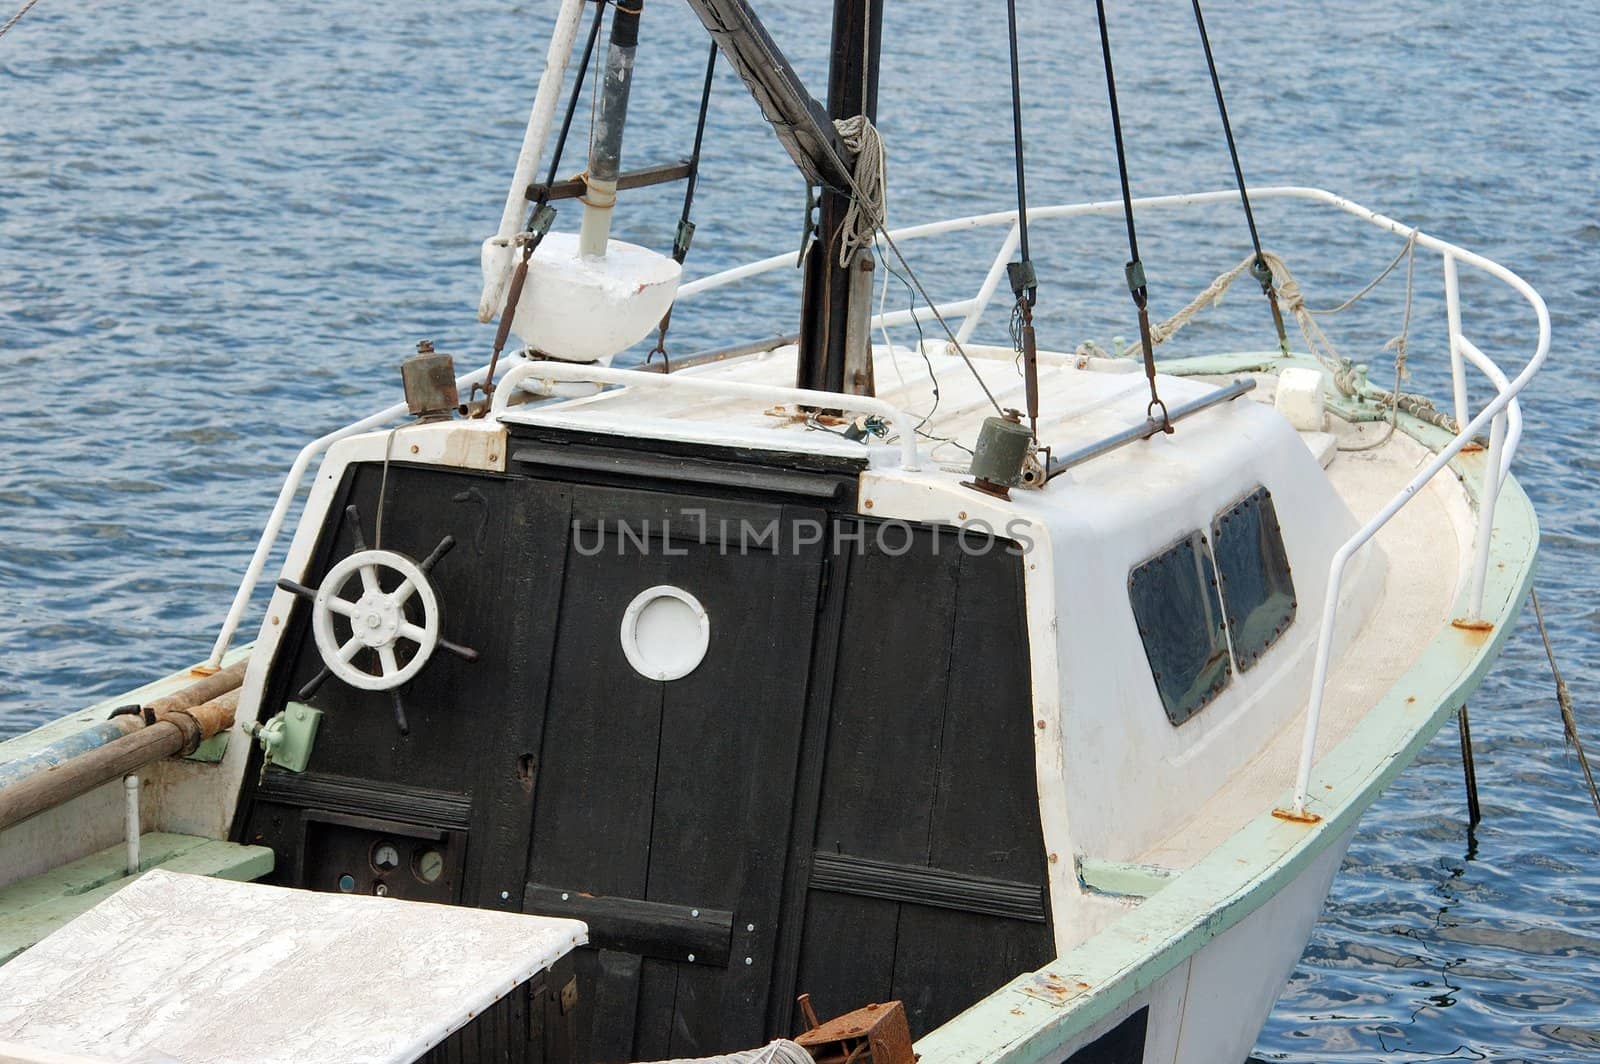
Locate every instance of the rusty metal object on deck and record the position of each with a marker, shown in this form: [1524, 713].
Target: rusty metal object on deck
[430, 382]
[1004, 445]
[1468, 625]
[876, 1034]
[1292, 817]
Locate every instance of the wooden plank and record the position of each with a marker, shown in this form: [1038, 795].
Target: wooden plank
[781, 1009]
[984, 821]
[22, 926]
[932, 887]
[95, 870]
[730, 744]
[883, 742]
[535, 531]
[648, 928]
[643, 177]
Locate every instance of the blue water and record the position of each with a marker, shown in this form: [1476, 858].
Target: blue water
[222, 226]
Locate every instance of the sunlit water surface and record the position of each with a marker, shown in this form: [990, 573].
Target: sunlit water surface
[223, 225]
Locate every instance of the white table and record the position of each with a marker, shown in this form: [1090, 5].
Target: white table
[180, 968]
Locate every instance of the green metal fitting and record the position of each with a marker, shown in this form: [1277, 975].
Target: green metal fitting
[287, 738]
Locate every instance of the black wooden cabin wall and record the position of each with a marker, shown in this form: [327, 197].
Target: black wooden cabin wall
[842, 793]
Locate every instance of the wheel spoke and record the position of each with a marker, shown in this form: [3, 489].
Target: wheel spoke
[343, 607]
[388, 660]
[349, 649]
[413, 632]
[369, 578]
[399, 595]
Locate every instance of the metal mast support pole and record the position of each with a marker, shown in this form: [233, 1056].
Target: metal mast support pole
[605, 155]
[833, 308]
[533, 140]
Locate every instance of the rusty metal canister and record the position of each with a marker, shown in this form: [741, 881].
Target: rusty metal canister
[1002, 448]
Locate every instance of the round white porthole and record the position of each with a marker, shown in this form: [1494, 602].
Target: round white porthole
[665, 632]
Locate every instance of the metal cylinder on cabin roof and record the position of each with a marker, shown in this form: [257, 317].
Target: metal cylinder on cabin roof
[430, 383]
[1002, 448]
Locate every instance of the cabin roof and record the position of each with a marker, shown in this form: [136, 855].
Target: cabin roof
[1083, 401]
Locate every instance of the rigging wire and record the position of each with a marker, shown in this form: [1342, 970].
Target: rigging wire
[1024, 280]
[542, 214]
[1134, 269]
[1260, 270]
[876, 216]
[685, 232]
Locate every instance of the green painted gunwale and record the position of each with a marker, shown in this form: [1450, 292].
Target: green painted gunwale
[1039, 1014]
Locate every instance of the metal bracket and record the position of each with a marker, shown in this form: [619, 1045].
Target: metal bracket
[288, 737]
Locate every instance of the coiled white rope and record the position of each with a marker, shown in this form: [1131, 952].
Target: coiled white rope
[861, 221]
[782, 1051]
[1346, 376]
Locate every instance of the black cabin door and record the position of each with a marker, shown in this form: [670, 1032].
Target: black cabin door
[661, 810]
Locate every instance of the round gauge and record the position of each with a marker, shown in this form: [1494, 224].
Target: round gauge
[429, 866]
[385, 857]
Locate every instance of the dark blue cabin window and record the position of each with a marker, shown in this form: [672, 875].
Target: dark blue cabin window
[1257, 590]
[1175, 604]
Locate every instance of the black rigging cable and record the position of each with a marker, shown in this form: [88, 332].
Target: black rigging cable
[685, 234]
[1260, 270]
[1024, 281]
[1135, 269]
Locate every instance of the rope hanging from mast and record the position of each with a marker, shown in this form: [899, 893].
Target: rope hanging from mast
[1024, 281]
[685, 233]
[1260, 270]
[1134, 269]
[540, 218]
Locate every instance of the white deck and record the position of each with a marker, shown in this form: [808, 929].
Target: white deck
[202, 971]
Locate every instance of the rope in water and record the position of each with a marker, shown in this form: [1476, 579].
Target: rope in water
[14, 19]
[1569, 722]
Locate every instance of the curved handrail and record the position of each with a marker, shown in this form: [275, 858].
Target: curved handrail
[1502, 414]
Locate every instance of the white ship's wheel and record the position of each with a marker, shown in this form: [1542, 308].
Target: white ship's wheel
[376, 621]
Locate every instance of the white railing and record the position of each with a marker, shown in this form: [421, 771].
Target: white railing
[1502, 414]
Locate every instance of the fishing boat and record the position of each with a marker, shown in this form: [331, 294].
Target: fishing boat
[1001, 703]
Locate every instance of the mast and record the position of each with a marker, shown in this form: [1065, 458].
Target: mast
[835, 337]
[836, 302]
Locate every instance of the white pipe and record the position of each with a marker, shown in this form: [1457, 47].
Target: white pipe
[991, 282]
[130, 792]
[1330, 607]
[957, 308]
[544, 109]
[1513, 412]
[1489, 494]
[280, 510]
[548, 373]
[1452, 310]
